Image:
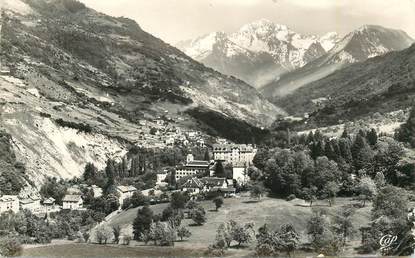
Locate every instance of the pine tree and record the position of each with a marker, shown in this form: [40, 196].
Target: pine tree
[345, 134]
[142, 222]
[372, 137]
[362, 154]
[219, 170]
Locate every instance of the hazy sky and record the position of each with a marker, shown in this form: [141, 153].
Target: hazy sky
[175, 20]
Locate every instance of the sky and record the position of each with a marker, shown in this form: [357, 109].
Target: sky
[176, 20]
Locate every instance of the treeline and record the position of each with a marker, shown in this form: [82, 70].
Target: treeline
[320, 167]
[82, 127]
[12, 172]
[406, 133]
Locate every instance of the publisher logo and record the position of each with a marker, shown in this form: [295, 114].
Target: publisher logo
[387, 242]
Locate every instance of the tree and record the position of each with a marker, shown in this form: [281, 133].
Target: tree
[310, 194]
[116, 230]
[323, 238]
[53, 188]
[362, 154]
[218, 201]
[406, 133]
[380, 180]
[260, 158]
[366, 189]
[10, 247]
[142, 222]
[138, 199]
[257, 191]
[219, 170]
[289, 239]
[183, 232]
[111, 204]
[110, 174]
[178, 200]
[389, 216]
[242, 234]
[198, 215]
[103, 234]
[90, 172]
[330, 191]
[342, 221]
[372, 137]
[162, 233]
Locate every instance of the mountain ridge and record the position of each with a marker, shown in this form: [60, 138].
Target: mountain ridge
[365, 42]
[262, 49]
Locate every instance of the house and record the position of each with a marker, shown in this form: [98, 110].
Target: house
[97, 191]
[72, 202]
[9, 203]
[211, 182]
[32, 204]
[125, 192]
[151, 192]
[49, 205]
[161, 177]
[193, 186]
[234, 153]
[192, 168]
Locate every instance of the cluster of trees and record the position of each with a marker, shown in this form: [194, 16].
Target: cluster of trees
[54, 188]
[389, 216]
[81, 127]
[329, 233]
[164, 228]
[12, 172]
[321, 168]
[406, 133]
[27, 228]
[272, 243]
[269, 242]
[233, 231]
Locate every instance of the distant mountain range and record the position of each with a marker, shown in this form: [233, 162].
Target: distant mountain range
[366, 42]
[259, 52]
[378, 85]
[278, 60]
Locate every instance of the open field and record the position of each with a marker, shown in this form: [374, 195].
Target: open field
[274, 212]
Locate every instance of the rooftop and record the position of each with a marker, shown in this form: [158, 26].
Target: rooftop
[230, 147]
[8, 198]
[126, 188]
[72, 198]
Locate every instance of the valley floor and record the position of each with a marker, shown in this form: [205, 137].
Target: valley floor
[274, 212]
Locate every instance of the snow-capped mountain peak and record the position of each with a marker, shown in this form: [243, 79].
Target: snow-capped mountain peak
[329, 40]
[290, 49]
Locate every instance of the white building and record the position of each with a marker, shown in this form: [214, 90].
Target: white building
[235, 154]
[239, 174]
[9, 203]
[97, 191]
[161, 177]
[32, 204]
[192, 167]
[125, 192]
[49, 205]
[72, 202]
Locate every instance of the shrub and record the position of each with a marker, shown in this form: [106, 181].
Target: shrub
[291, 197]
[198, 215]
[10, 247]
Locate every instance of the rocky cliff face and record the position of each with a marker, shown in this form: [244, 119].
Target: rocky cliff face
[71, 63]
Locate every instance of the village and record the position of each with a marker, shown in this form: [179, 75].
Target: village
[194, 177]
